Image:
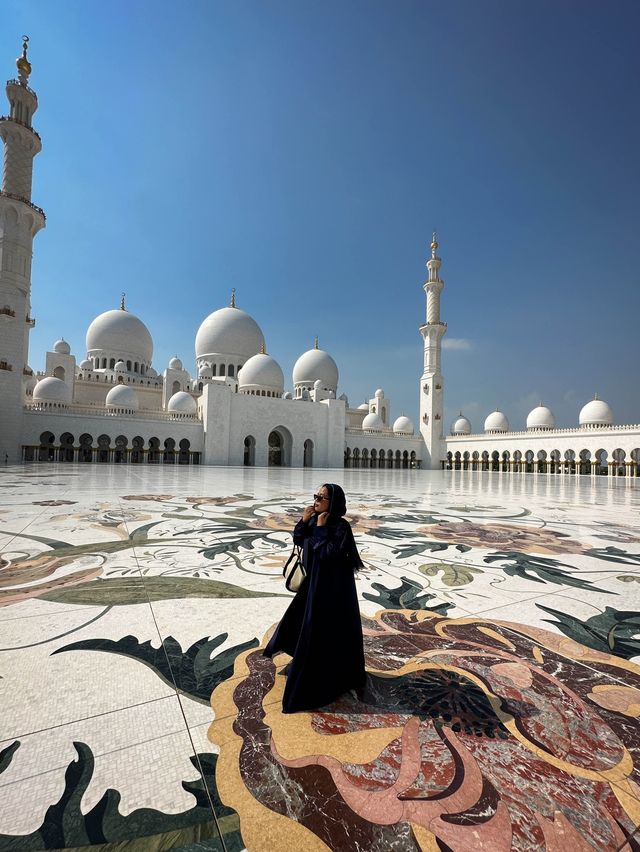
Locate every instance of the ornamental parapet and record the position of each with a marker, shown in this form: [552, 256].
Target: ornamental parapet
[545, 433]
[22, 86]
[72, 410]
[22, 124]
[26, 201]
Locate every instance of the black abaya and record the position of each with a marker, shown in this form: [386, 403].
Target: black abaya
[321, 629]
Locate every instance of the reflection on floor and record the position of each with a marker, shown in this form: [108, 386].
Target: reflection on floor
[502, 633]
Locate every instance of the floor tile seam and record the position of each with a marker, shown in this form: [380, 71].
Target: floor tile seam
[17, 535]
[67, 724]
[179, 731]
[173, 679]
[66, 609]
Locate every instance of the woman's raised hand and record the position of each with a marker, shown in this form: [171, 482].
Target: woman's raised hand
[322, 518]
[307, 513]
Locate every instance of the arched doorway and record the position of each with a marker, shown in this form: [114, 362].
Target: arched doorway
[120, 452]
[249, 451]
[308, 453]
[153, 454]
[185, 447]
[275, 449]
[137, 452]
[279, 447]
[169, 455]
[65, 453]
[46, 451]
[85, 454]
[104, 451]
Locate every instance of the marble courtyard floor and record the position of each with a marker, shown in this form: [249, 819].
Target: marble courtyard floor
[502, 631]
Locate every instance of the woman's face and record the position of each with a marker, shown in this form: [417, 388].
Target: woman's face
[321, 500]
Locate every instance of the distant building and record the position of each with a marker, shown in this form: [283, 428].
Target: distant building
[112, 406]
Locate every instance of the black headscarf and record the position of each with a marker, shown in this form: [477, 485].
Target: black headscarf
[337, 501]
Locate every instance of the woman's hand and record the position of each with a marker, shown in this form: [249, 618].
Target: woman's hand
[307, 514]
[322, 518]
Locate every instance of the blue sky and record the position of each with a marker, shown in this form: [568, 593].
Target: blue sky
[302, 152]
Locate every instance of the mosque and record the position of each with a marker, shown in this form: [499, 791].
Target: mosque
[113, 406]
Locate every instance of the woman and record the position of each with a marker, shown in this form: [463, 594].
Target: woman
[321, 629]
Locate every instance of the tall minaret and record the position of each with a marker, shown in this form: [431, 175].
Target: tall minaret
[431, 383]
[20, 221]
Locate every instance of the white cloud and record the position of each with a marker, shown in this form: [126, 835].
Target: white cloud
[456, 343]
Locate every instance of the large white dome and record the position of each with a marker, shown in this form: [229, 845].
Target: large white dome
[121, 334]
[595, 413]
[541, 417]
[182, 403]
[403, 426]
[122, 396]
[461, 426]
[372, 423]
[51, 389]
[229, 332]
[313, 365]
[496, 422]
[261, 371]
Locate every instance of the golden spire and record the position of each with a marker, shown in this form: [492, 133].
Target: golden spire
[232, 303]
[122, 307]
[24, 66]
[263, 350]
[434, 244]
[315, 345]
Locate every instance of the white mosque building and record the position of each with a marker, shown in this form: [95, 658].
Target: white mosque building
[113, 406]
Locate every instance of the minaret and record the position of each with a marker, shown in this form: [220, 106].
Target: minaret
[431, 383]
[20, 221]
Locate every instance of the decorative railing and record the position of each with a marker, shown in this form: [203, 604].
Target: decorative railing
[22, 86]
[385, 434]
[542, 433]
[103, 411]
[30, 321]
[22, 124]
[7, 312]
[4, 365]
[26, 201]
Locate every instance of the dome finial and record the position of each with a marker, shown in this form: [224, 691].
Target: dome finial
[232, 303]
[122, 307]
[434, 244]
[315, 345]
[23, 64]
[263, 349]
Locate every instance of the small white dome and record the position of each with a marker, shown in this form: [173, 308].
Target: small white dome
[403, 426]
[205, 372]
[51, 390]
[287, 395]
[175, 363]
[541, 417]
[461, 426]
[120, 367]
[364, 406]
[262, 372]
[373, 423]
[229, 332]
[151, 373]
[122, 396]
[596, 413]
[86, 364]
[62, 347]
[379, 394]
[182, 403]
[496, 422]
[314, 365]
[120, 333]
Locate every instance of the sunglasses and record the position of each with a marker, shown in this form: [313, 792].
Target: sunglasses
[318, 498]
